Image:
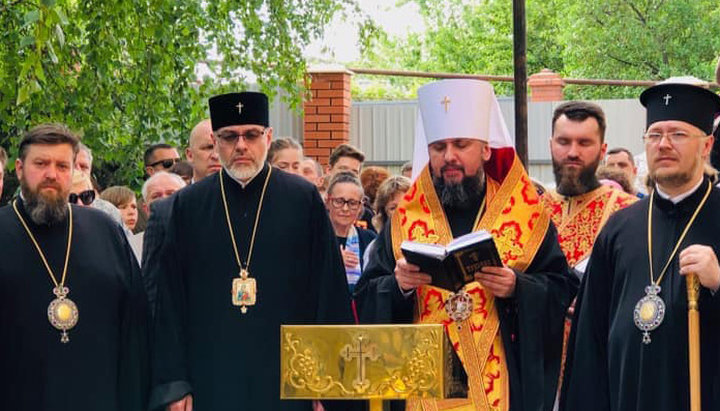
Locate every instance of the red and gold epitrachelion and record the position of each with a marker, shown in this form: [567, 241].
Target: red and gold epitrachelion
[515, 217]
[579, 218]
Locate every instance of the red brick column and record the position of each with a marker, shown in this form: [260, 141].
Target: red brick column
[327, 113]
[546, 86]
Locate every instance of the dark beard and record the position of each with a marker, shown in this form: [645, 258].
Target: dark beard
[571, 184]
[462, 194]
[43, 210]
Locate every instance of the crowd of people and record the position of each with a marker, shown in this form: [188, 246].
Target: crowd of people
[173, 300]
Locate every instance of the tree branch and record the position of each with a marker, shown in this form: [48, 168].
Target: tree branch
[619, 60]
[637, 12]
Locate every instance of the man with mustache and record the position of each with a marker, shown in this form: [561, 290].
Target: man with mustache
[629, 345]
[72, 305]
[246, 249]
[507, 331]
[579, 205]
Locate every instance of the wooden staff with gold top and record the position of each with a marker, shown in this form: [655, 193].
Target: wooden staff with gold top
[693, 291]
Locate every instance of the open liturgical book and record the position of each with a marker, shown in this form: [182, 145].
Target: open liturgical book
[454, 265]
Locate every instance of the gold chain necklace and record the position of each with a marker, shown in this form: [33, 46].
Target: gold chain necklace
[62, 312]
[244, 289]
[649, 312]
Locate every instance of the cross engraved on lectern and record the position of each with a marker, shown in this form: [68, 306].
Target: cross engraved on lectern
[667, 99]
[446, 101]
[360, 351]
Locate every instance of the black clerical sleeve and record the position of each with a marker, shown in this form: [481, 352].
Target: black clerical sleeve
[134, 349]
[531, 325]
[585, 383]
[152, 246]
[170, 380]
[377, 293]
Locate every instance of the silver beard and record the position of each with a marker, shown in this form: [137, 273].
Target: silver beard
[244, 173]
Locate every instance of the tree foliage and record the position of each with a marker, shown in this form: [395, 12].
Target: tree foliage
[123, 73]
[615, 39]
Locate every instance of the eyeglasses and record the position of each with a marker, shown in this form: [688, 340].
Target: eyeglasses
[166, 164]
[231, 138]
[87, 197]
[675, 137]
[339, 203]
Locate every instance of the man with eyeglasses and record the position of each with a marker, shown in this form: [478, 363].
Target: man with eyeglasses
[246, 250]
[72, 306]
[506, 325]
[160, 157]
[629, 346]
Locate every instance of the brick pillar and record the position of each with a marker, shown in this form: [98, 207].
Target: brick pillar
[546, 86]
[327, 113]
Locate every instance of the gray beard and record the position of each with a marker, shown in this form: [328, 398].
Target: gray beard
[43, 211]
[458, 195]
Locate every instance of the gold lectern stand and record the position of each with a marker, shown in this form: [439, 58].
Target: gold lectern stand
[374, 362]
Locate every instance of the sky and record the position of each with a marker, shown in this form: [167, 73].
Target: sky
[339, 45]
[340, 42]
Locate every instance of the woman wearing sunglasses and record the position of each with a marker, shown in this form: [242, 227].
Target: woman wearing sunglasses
[83, 194]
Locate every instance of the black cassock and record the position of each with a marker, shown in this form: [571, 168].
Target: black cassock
[105, 365]
[531, 323]
[203, 343]
[610, 368]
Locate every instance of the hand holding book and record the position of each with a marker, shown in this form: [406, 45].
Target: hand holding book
[500, 281]
[454, 265]
[409, 276]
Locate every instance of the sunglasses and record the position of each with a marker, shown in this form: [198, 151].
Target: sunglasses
[166, 164]
[87, 197]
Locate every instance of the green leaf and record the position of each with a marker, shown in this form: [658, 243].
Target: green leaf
[40, 73]
[23, 95]
[49, 3]
[61, 16]
[60, 35]
[51, 53]
[31, 17]
[26, 41]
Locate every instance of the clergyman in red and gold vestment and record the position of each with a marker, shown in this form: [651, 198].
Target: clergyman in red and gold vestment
[509, 340]
[579, 206]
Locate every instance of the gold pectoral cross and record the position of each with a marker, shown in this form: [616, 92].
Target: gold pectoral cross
[361, 353]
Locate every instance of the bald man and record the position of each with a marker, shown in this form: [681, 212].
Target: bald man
[200, 152]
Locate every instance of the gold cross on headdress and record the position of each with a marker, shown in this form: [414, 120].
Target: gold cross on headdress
[239, 107]
[446, 101]
[667, 99]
